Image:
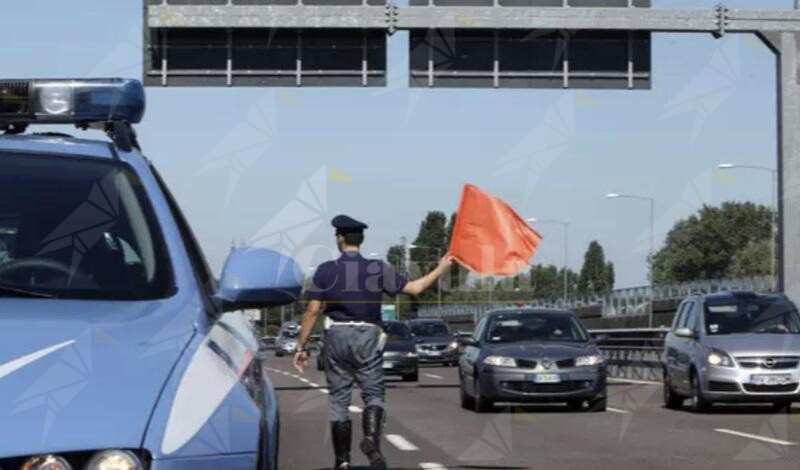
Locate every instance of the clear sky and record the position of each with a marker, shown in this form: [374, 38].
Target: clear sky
[269, 166]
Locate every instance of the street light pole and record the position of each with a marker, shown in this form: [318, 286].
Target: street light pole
[774, 227]
[566, 250]
[652, 202]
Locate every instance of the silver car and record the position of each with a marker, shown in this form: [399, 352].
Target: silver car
[287, 339]
[733, 347]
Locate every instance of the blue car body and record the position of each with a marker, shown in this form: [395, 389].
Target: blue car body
[177, 380]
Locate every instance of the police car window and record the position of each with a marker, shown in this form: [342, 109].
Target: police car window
[538, 327]
[78, 228]
[752, 316]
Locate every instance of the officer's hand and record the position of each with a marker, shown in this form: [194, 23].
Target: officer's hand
[445, 262]
[300, 360]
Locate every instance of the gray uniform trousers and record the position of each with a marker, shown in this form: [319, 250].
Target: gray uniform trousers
[354, 356]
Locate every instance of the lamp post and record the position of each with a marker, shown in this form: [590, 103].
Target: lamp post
[439, 282]
[774, 226]
[533, 220]
[652, 242]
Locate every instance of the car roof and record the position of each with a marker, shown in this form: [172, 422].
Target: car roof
[729, 296]
[427, 320]
[54, 144]
[530, 311]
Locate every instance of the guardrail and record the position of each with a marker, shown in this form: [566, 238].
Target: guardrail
[633, 354]
[620, 302]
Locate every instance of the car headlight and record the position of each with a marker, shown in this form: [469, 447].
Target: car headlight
[719, 358]
[593, 360]
[500, 361]
[46, 462]
[453, 345]
[114, 460]
[411, 354]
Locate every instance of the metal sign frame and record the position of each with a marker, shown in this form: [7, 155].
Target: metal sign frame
[778, 29]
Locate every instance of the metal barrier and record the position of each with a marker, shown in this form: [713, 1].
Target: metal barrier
[633, 354]
[620, 302]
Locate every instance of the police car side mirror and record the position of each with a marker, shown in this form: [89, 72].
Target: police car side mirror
[258, 278]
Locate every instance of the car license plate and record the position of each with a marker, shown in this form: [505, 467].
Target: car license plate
[546, 378]
[770, 379]
[388, 365]
[434, 353]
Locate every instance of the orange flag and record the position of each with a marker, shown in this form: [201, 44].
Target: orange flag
[489, 237]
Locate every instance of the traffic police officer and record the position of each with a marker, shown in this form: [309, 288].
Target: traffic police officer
[352, 288]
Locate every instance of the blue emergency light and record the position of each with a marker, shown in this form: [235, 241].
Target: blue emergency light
[81, 102]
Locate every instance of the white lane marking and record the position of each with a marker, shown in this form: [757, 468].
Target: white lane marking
[434, 376]
[313, 384]
[432, 466]
[756, 437]
[401, 442]
[20, 362]
[303, 379]
[617, 410]
[355, 409]
[631, 381]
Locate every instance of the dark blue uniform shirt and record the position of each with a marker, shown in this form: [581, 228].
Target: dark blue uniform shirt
[352, 287]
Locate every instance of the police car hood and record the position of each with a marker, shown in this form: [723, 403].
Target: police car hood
[81, 375]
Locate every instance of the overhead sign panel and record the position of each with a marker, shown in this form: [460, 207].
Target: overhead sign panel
[262, 43]
[529, 58]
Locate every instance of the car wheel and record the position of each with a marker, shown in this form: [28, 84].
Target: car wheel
[698, 402]
[482, 404]
[575, 405]
[672, 400]
[278, 354]
[782, 407]
[411, 377]
[467, 402]
[598, 404]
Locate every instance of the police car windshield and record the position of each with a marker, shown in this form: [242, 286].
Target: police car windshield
[752, 316]
[78, 228]
[515, 328]
[430, 329]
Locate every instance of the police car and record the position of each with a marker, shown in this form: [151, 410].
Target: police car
[118, 347]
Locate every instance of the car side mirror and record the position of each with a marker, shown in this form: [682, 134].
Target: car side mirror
[258, 278]
[418, 340]
[685, 333]
[468, 342]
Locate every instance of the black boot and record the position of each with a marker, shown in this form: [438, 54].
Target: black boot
[341, 432]
[372, 421]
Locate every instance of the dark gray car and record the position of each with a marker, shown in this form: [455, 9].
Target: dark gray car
[435, 343]
[733, 347]
[532, 355]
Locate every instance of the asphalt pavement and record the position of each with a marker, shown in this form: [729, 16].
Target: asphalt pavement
[427, 429]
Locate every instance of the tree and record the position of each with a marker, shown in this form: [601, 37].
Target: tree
[597, 275]
[705, 245]
[752, 260]
[430, 246]
[396, 256]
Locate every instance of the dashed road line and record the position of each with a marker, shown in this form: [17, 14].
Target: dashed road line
[432, 466]
[355, 409]
[401, 442]
[434, 376]
[617, 410]
[756, 437]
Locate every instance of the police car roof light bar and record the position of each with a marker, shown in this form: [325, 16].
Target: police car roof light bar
[81, 102]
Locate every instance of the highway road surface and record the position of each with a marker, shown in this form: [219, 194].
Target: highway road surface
[427, 429]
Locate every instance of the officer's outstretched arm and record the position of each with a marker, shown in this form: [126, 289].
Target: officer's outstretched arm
[417, 286]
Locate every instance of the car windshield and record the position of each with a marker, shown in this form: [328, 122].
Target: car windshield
[430, 329]
[752, 316]
[514, 328]
[397, 331]
[77, 228]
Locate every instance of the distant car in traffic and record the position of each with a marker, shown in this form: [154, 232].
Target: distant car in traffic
[531, 355]
[733, 347]
[435, 344]
[287, 339]
[399, 354]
